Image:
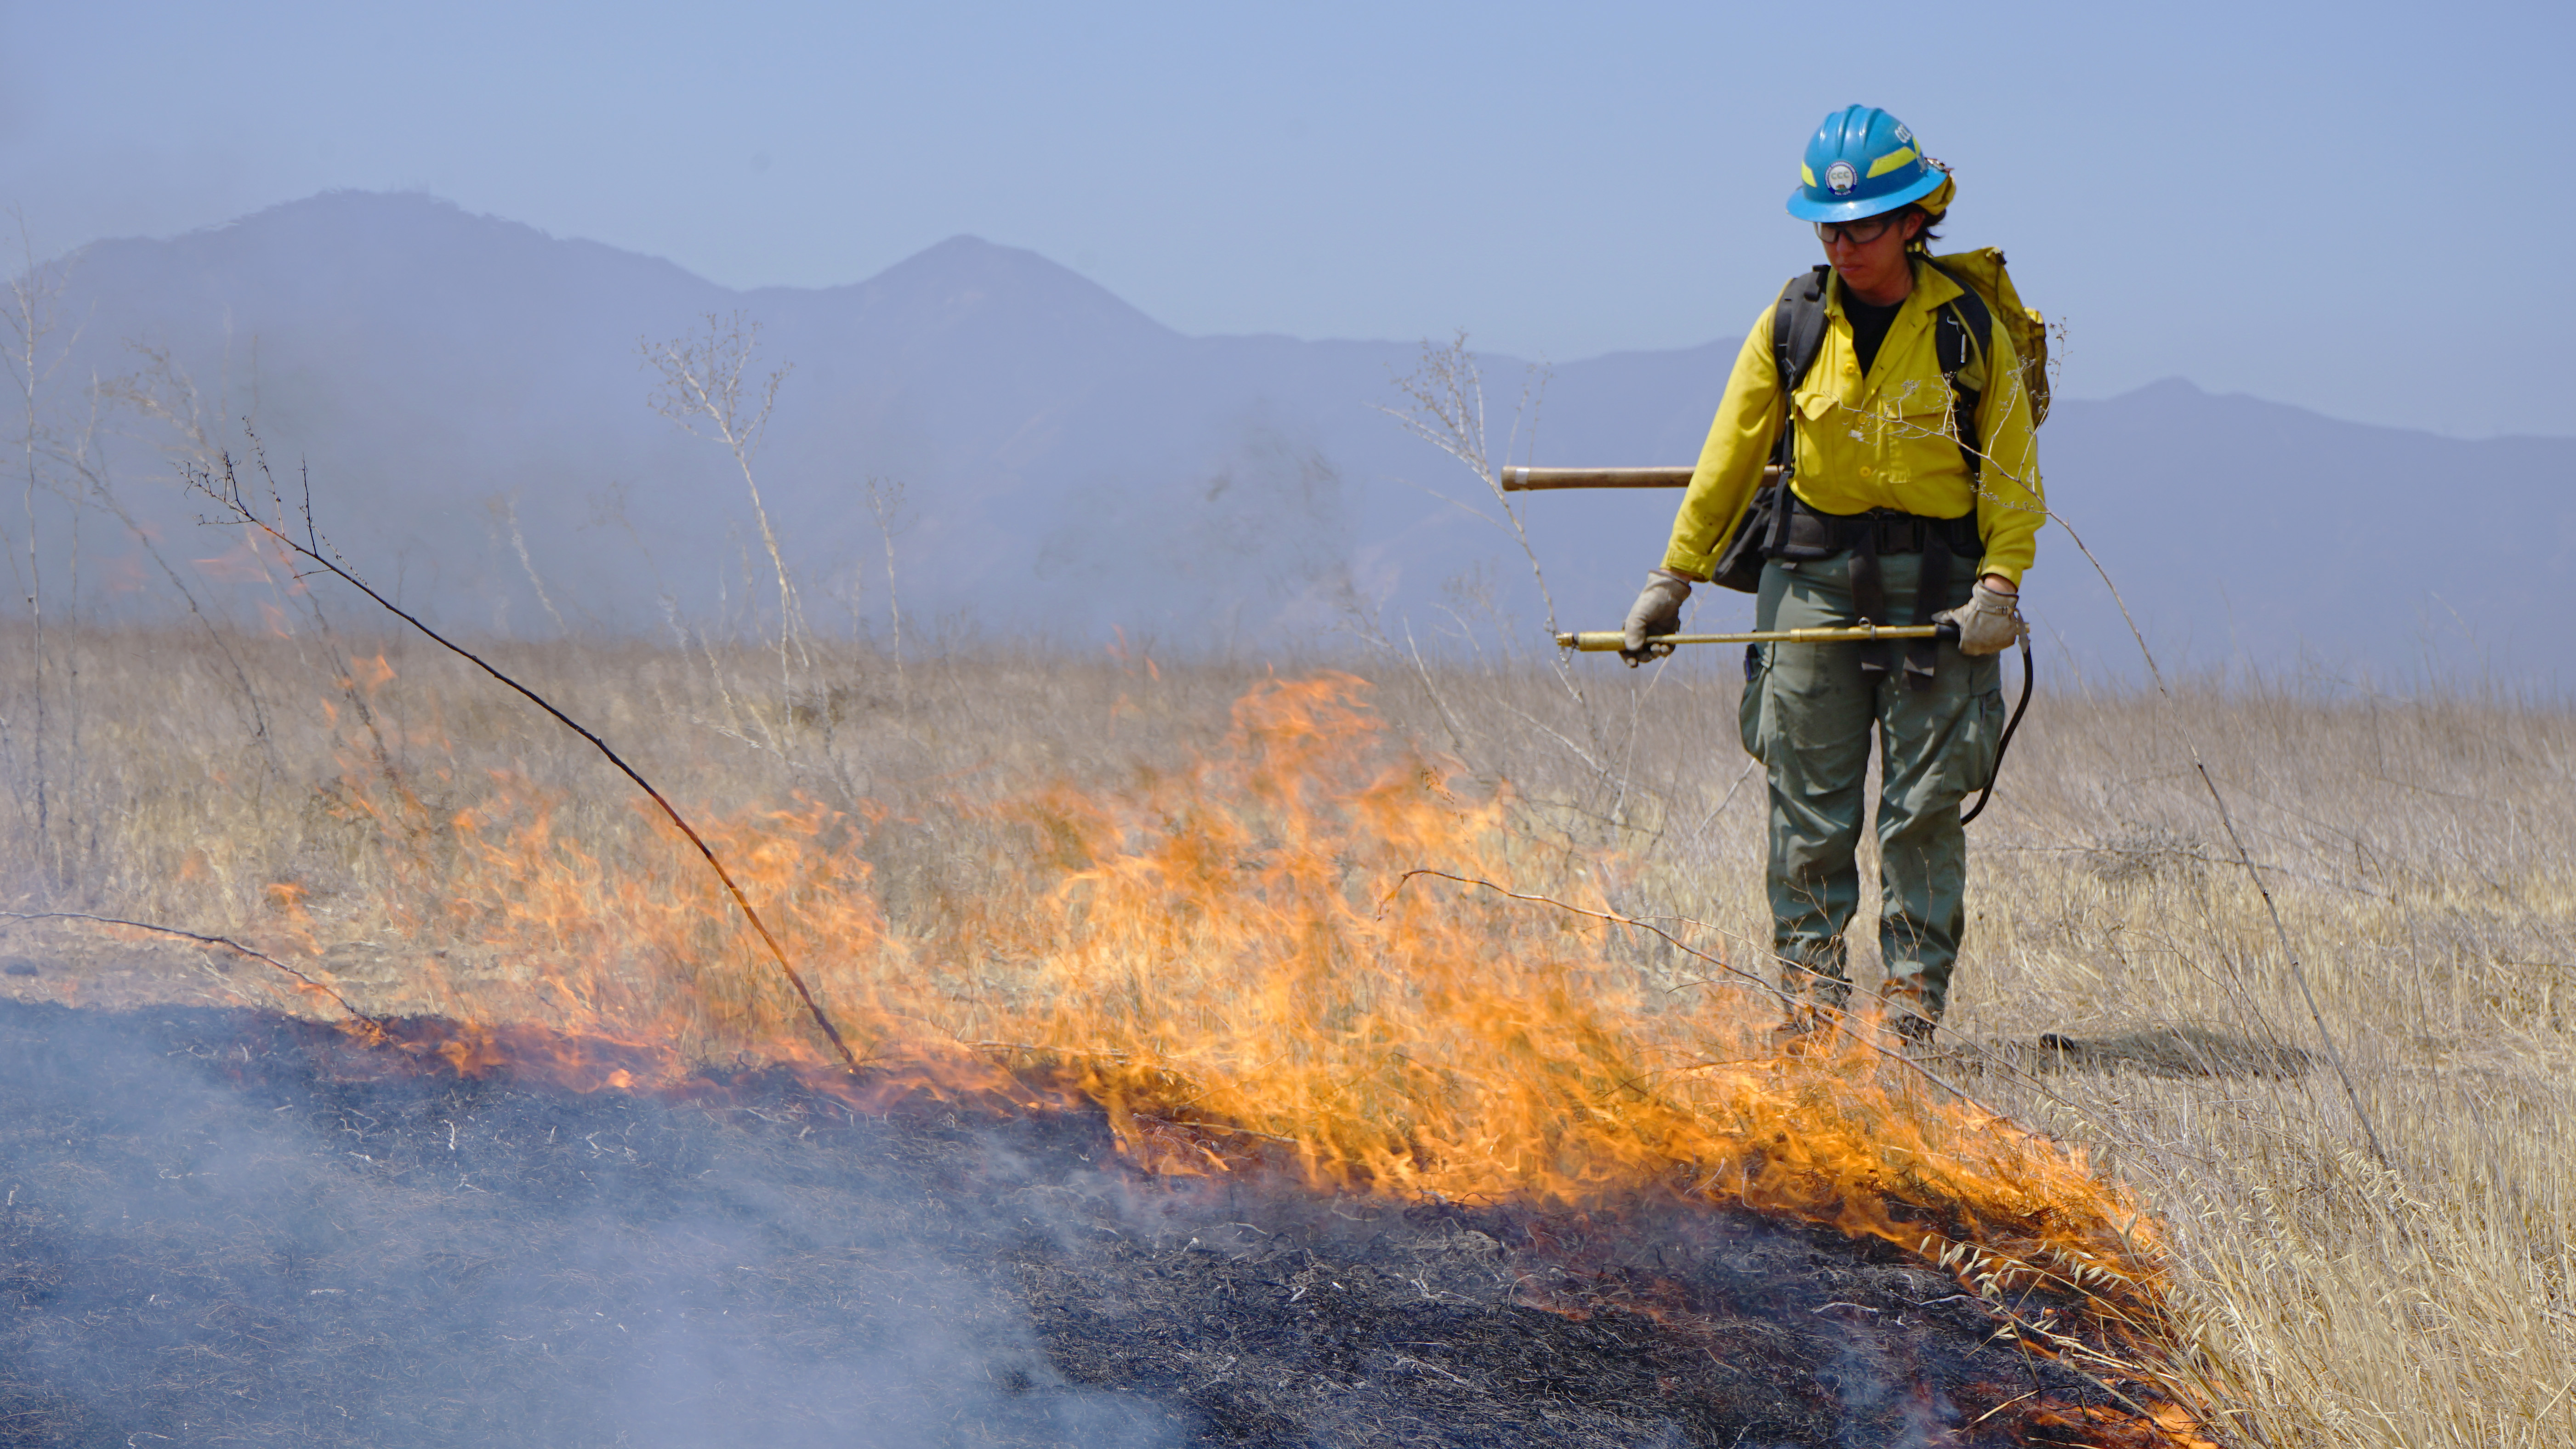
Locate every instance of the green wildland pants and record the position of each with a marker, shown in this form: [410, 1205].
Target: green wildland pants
[1807, 714]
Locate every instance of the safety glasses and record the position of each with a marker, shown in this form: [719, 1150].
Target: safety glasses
[1859, 233]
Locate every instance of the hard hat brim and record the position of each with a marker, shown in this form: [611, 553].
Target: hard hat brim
[1852, 208]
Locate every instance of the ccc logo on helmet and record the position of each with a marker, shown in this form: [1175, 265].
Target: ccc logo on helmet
[1841, 177]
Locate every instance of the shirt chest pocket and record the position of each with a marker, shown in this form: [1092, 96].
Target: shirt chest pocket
[1912, 427]
[1915, 402]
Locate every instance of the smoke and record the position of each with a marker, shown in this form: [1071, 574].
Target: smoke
[207, 1236]
[223, 1226]
[1230, 543]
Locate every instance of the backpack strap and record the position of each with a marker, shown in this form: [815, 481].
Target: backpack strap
[1797, 336]
[1959, 319]
[1798, 328]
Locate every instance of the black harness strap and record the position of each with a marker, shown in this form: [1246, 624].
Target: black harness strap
[1959, 319]
[1797, 335]
[1798, 332]
[1931, 596]
[1869, 594]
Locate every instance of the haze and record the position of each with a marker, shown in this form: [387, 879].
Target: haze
[2339, 207]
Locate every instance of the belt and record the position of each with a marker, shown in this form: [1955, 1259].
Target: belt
[1813, 535]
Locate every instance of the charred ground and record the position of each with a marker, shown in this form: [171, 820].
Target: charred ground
[227, 1225]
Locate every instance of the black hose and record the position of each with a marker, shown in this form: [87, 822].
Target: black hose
[2005, 743]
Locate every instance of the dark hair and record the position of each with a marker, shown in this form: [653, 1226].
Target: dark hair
[1923, 239]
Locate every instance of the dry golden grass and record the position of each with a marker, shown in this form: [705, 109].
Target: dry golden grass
[315, 796]
[2420, 852]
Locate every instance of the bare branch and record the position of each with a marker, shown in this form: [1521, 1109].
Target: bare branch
[226, 942]
[223, 486]
[706, 389]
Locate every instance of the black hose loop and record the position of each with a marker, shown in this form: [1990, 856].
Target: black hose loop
[2005, 743]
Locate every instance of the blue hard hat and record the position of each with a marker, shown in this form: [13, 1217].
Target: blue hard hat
[1861, 162]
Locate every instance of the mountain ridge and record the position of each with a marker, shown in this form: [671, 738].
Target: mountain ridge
[1073, 466]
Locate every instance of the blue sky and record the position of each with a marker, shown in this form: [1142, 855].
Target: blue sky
[2360, 209]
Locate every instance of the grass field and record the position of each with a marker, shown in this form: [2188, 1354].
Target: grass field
[371, 812]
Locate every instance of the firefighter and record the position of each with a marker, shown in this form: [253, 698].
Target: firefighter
[1911, 494]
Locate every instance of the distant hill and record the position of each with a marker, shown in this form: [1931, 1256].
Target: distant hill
[463, 389]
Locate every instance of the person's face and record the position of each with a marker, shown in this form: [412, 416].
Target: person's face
[1869, 254]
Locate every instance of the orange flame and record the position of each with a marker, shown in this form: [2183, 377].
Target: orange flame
[1215, 956]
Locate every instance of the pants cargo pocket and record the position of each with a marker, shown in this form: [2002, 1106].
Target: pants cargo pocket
[1749, 722]
[1982, 738]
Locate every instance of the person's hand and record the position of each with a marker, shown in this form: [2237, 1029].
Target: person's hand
[1990, 620]
[1658, 610]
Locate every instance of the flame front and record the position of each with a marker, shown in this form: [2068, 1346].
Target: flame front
[1227, 958]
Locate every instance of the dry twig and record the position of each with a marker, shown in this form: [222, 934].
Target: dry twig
[222, 484]
[203, 940]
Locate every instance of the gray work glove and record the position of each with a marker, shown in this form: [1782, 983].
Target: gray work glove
[1988, 623]
[1658, 610]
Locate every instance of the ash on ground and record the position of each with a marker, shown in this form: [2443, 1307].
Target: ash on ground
[232, 1226]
